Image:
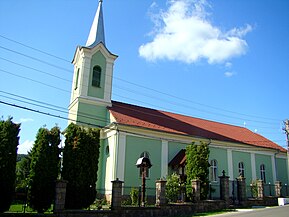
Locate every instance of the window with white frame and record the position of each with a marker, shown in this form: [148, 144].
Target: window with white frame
[263, 173]
[214, 170]
[241, 169]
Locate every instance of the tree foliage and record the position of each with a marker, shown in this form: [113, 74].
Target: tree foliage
[9, 140]
[44, 169]
[80, 165]
[173, 187]
[22, 173]
[197, 167]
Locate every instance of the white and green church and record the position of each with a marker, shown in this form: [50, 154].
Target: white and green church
[129, 132]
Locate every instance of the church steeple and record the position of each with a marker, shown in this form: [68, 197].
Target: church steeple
[96, 34]
[92, 80]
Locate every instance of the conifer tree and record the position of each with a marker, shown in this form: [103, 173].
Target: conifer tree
[197, 167]
[9, 140]
[80, 165]
[44, 169]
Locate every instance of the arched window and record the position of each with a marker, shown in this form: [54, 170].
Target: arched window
[214, 170]
[147, 155]
[76, 80]
[241, 169]
[96, 76]
[263, 173]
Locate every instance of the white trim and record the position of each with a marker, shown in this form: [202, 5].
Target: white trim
[164, 159]
[121, 156]
[273, 163]
[253, 166]
[230, 163]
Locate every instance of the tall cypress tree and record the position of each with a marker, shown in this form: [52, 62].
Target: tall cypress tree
[44, 169]
[80, 165]
[9, 141]
[197, 167]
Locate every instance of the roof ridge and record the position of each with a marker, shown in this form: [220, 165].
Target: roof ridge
[184, 115]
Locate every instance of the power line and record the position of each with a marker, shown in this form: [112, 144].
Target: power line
[51, 86]
[172, 96]
[30, 79]
[36, 59]
[90, 124]
[43, 72]
[35, 49]
[144, 87]
[52, 107]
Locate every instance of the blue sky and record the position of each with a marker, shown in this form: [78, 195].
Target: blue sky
[223, 60]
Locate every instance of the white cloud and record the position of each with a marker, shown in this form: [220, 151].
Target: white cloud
[23, 120]
[184, 33]
[24, 147]
[228, 64]
[229, 74]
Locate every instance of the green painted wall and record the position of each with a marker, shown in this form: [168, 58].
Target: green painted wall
[282, 170]
[266, 160]
[97, 59]
[174, 148]
[92, 114]
[246, 159]
[220, 155]
[134, 147]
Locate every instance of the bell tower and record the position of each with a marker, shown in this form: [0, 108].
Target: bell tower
[92, 79]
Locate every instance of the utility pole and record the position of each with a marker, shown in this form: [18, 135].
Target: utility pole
[286, 129]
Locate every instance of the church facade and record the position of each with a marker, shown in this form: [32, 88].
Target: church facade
[129, 132]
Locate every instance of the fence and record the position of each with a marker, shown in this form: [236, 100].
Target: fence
[131, 196]
[284, 190]
[269, 190]
[214, 191]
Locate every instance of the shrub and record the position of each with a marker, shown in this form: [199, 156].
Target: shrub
[173, 187]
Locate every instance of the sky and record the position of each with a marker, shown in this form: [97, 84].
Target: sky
[224, 60]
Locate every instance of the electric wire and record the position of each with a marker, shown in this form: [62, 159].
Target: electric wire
[147, 88]
[87, 123]
[35, 49]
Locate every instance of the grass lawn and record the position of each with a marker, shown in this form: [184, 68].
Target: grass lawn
[14, 208]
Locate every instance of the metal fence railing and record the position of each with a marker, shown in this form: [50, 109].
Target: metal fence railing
[285, 190]
[214, 191]
[269, 190]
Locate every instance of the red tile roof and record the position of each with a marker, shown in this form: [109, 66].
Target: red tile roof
[137, 116]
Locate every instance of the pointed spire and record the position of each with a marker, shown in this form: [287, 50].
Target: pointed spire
[96, 34]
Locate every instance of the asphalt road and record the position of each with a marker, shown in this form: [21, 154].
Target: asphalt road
[280, 211]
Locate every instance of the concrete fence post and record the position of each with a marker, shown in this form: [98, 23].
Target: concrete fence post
[224, 187]
[196, 190]
[241, 188]
[260, 187]
[60, 193]
[161, 192]
[116, 195]
[278, 187]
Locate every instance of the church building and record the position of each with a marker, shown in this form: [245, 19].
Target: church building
[129, 132]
